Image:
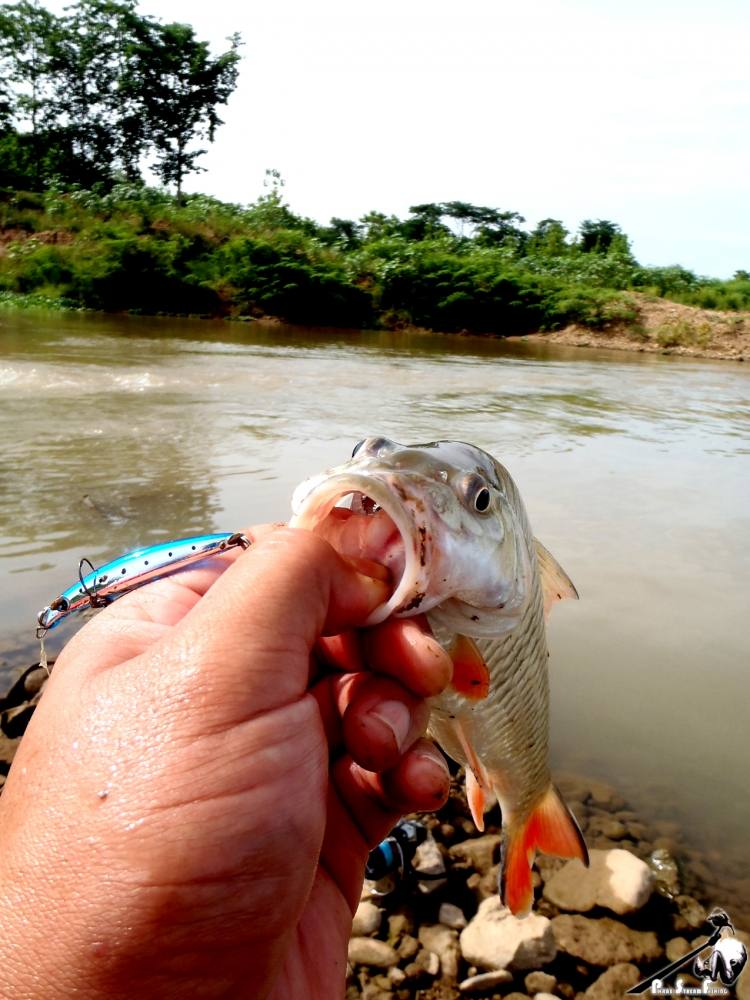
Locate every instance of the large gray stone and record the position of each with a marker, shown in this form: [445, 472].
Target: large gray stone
[615, 879]
[495, 939]
[605, 941]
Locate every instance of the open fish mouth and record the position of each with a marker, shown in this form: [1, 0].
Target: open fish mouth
[364, 517]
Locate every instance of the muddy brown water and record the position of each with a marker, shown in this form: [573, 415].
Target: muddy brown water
[118, 432]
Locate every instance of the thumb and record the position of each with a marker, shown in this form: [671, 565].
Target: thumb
[266, 612]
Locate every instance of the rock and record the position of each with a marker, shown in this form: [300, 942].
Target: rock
[428, 962]
[451, 916]
[605, 796]
[428, 858]
[614, 983]
[666, 873]
[370, 951]
[485, 981]
[396, 975]
[545, 996]
[367, 919]
[539, 982]
[398, 924]
[616, 879]
[495, 939]
[676, 947]
[479, 852]
[690, 914]
[443, 942]
[603, 942]
[408, 947]
[606, 826]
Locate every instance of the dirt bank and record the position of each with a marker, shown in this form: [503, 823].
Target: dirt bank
[665, 327]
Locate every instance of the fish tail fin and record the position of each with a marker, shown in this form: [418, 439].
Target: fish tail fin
[550, 828]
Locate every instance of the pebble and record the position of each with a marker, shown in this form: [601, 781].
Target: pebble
[545, 996]
[428, 962]
[676, 947]
[603, 942]
[367, 919]
[606, 826]
[614, 983]
[479, 853]
[443, 942]
[539, 982]
[495, 939]
[690, 914]
[666, 873]
[615, 879]
[452, 916]
[408, 947]
[485, 981]
[370, 951]
[396, 975]
[398, 925]
[428, 858]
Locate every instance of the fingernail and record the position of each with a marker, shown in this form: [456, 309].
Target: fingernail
[434, 756]
[396, 716]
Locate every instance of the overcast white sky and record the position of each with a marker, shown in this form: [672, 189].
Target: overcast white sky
[634, 111]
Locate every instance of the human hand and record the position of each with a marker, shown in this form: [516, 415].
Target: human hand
[190, 811]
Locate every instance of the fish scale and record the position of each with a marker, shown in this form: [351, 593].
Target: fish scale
[509, 728]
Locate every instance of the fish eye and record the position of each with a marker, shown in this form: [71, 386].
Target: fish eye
[357, 446]
[476, 493]
[482, 500]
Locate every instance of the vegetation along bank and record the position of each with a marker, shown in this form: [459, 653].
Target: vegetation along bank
[92, 98]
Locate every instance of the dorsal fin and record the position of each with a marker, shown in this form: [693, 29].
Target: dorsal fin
[556, 584]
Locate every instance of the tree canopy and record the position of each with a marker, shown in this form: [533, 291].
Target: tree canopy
[102, 91]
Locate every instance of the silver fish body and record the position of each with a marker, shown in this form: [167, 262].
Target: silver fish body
[447, 519]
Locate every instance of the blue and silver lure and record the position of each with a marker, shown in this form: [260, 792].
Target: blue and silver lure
[104, 585]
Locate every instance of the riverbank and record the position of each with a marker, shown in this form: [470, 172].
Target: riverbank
[139, 250]
[663, 327]
[593, 934]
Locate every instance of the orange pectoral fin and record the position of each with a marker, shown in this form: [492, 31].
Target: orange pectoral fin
[551, 828]
[471, 677]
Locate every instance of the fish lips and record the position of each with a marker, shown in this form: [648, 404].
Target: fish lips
[314, 499]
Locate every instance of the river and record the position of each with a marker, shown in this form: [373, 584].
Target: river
[634, 469]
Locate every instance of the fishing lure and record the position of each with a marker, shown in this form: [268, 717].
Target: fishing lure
[102, 586]
[392, 861]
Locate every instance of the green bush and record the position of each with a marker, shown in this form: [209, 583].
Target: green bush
[289, 282]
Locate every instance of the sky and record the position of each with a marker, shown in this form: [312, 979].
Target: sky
[637, 112]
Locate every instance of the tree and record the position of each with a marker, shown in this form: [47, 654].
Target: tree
[549, 237]
[597, 236]
[29, 35]
[181, 87]
[98, 102]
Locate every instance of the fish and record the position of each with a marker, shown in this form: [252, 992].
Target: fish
[447, 521]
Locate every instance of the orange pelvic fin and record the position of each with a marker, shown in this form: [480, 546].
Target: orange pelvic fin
[477, 782]
[476, 799]
[552, 829]
[471, 676]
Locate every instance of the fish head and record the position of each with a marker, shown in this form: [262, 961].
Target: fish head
[445, 518]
